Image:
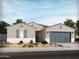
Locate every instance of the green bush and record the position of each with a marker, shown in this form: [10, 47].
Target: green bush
[77, 40]
[1, 45]
[20, 42]
[44, 42]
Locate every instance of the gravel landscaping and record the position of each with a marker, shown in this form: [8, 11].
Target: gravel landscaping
[32, 45]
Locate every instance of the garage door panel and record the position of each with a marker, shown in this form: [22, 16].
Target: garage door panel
[60, 37]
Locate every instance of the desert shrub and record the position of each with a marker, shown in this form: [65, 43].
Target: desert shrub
[36, 43]
[60, 45]
[8, 43]
[2, 44]
[20, 42]
[44, 42]
[31, 42]
[24, 45]
[31, 45]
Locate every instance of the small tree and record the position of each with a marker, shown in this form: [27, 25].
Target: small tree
[3, 24]
[77, 24]
[69, 22]
[77, 27]
[19, 21]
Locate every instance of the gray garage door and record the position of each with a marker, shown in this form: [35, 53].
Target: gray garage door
[60, 37]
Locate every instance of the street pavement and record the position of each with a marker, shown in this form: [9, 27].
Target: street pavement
[40, 53]
[73, 54]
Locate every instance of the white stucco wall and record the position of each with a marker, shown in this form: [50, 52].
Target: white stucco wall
[16, 40]
[48, 40]
[11, 33]
[72, 40]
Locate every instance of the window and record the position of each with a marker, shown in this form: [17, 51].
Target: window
[25, 33]
[17, 33]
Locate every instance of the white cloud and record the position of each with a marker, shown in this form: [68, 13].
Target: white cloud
[7, 8]
[47, 20]
[72, 11]
[57, 19]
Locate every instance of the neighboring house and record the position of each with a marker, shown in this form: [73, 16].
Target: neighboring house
[3, 38]
[37, 32]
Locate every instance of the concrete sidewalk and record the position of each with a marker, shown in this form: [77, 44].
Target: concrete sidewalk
[72, 45]
[7, 50]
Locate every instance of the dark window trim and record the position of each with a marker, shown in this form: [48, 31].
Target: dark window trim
[17, 33]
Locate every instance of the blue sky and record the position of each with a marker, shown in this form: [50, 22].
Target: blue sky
[46, 12]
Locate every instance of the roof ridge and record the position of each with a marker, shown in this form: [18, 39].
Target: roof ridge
[55, 24]
[38, 24]
[20, 23]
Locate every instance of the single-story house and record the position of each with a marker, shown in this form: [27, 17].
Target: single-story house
[37, 32]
